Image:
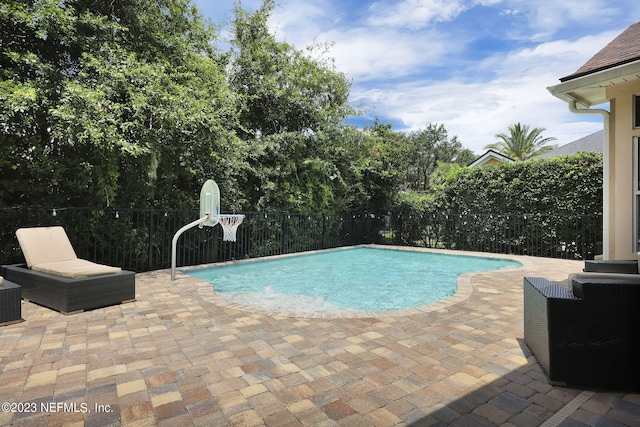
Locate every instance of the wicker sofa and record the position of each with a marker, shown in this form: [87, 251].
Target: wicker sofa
[54, 277]
[587, 334]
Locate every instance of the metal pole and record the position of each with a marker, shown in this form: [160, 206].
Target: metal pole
[174, 242]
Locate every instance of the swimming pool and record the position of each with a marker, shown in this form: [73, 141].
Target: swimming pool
[354, 279]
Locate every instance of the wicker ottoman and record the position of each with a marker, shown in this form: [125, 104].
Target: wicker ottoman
[588, 335]
[10, 303]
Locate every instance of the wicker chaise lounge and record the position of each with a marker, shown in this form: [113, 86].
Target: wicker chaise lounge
[588, 335]
[55, 277]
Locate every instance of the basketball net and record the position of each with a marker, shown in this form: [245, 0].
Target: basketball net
[230, 225]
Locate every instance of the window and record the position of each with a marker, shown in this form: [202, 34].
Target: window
[636, 194]
[636, 111]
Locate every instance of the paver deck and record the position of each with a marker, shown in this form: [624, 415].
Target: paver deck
[179, 355]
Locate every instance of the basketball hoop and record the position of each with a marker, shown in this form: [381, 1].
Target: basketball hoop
[209, 216]
[230, 225]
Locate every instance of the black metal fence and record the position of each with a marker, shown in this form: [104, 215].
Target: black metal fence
[552, 236]
[140, 239]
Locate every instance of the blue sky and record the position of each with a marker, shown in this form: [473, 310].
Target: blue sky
[475, 66]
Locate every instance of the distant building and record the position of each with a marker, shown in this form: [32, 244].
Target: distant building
[491, 157]
[591, 142]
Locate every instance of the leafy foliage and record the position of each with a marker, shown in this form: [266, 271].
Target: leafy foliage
[130, 104]
[292, 106]
[99, 99]
[546, 207]
[280, 88]
[427, 149]
[563, 184]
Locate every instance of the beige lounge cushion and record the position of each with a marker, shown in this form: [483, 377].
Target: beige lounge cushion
[45, 244]
[75, 268]
[48, 250]
[1, 280]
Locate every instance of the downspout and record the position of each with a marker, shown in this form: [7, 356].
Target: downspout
[606, 180]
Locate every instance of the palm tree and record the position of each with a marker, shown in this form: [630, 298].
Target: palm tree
[521, 143]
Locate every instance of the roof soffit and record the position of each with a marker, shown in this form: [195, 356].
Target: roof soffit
[591, 89]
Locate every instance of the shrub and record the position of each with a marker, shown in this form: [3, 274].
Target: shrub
[559, 185]
[546, 207]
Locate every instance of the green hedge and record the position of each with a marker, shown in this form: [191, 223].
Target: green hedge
[547, 207]
[559, 185]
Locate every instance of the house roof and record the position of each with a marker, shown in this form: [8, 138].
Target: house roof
[623, 49]
[491, 155]
[591, 142]
[618, 62]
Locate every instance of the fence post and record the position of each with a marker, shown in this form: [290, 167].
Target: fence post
[508, 234]
[582, 239]
[284, 233]
[150, 243]
[25, 210]
[446, 231]
[353, 225]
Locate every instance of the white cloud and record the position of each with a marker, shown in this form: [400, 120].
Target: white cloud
[414, 13]
[364, 53]
[300, 22]
[476, 109]
[475, 112]
[509, 12]
[563, 57]
[408, 62]
[385, 54]
[551, 15]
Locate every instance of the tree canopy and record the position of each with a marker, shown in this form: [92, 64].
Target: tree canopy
[427, 149]
[133, 104]
[110, 102]
[282, 89]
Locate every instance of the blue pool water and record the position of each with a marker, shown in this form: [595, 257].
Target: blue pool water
[355, 279]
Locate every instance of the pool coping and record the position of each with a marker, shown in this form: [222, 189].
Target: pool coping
[464, 288]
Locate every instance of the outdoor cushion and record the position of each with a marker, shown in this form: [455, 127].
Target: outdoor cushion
[75, 268]
[54, 276]
[48, 250]
[45, 244]
[1, 280]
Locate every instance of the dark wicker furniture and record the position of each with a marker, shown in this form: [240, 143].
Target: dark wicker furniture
[612, 266]
[10, 303]
[587, 336]
[72, 295]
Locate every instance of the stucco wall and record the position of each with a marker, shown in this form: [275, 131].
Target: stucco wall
[492, 161]
[621, 163]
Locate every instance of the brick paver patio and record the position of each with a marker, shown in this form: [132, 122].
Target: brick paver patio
[180, 355]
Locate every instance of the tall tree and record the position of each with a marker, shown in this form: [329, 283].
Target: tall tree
[282, 89]
[289, 102]
[379, 169]
[104, 103]
[429, 147]
[520, 143]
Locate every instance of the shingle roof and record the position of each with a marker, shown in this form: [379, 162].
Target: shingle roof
[623, 49]
[592, 142]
